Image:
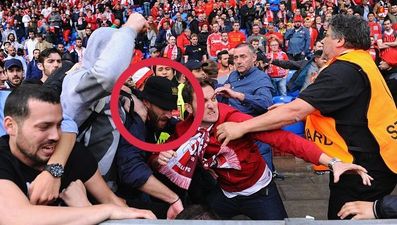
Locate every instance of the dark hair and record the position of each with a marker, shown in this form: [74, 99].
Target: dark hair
[197, 212]
[187, 91]
[223, 52]
[318, 53]
[210, 67]
[17, 102]
[354, 30]
[46, 53]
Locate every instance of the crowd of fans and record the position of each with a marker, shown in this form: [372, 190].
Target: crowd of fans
[192, 30]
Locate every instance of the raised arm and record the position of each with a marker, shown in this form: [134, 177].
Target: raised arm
[273, 119]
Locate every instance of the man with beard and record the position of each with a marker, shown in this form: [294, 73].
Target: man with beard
[159, 98]
[244, 180]
[49, 60]
[298, 40]
[14, 71]
[32, 120]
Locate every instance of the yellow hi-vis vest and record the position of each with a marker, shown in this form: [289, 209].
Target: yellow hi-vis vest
[381, 115]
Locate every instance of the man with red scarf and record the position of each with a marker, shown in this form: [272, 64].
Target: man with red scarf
[244, 180]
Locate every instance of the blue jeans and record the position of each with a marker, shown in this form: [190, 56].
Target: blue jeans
[146, 8]
[265, 204]
[280, 84]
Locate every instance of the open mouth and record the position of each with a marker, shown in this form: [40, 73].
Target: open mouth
[48, 149]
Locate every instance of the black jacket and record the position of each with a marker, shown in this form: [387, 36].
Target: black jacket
[386, 208]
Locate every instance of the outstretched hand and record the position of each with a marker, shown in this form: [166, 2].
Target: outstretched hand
[340, 167]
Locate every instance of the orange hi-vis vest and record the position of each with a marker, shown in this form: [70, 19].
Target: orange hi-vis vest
[381, 116]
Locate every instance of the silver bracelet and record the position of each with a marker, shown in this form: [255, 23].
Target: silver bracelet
[374, 209]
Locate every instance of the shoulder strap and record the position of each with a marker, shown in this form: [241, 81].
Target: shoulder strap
[87, 123]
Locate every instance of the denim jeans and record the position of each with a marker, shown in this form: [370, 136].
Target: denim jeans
[280, 85]
[146, 8]
[265, 204]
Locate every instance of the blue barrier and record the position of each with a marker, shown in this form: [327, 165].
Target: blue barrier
[297, 128]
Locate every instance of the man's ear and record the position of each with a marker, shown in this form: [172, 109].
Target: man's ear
[341, 42]
[40, 66]
[10, 125]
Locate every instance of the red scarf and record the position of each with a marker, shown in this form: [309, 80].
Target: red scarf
[180, 169]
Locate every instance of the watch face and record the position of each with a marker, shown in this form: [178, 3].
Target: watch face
[55, 170]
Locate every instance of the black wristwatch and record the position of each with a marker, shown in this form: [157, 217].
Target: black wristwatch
[56, 170]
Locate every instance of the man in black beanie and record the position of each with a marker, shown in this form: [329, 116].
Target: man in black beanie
[159, 98]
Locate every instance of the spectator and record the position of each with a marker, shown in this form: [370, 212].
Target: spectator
[194, 51]
[12, 54]
[81, 25]
[78, 51]
[172, 51]
[42, 44]
[183, 40]
[236, 37]
[298, 40]
[33, 69]
[247, 13]
[30, 45]
[256, 35]
[14, 70]
[388, 67]
[251, 95]
[213, 39]
[388, 42]
[308, 24]
[277, 74]
[163, 35]
[87, 35]
[203, 36]
[49, 61]
[224, 67]
[193, 24]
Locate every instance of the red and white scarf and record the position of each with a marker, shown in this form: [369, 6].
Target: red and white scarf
[180, 169]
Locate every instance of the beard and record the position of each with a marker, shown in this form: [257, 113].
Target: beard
[154, 120]
[33, 157]
[30, 151]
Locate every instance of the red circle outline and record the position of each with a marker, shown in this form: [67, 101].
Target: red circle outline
[114, 105]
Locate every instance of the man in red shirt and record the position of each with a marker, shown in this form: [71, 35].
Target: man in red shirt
[236, 37]
[374, 27]
[244, 180]
[183, 40]
[388, 42]
[212, 40]
[312, 31]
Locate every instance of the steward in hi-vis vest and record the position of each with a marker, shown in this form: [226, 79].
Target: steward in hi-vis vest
[381, 115]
